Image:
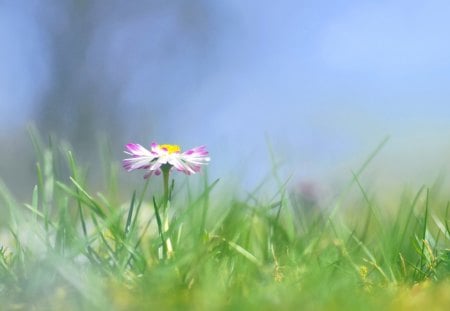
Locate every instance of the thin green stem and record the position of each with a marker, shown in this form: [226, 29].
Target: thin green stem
[167, 247]
[166, 172]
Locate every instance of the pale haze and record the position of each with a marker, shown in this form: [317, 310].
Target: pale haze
[319, 83]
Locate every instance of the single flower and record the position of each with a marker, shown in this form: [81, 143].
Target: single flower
[165, 156]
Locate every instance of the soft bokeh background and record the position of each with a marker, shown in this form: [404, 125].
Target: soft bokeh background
[320, 83]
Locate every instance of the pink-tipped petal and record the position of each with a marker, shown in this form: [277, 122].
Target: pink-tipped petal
[136, 163]
[154, 147]
[188, 162]
[137, 150]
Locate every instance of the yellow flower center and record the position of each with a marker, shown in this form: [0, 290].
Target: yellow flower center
[170, 148]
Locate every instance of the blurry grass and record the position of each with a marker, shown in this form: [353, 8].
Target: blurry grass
[73, 249]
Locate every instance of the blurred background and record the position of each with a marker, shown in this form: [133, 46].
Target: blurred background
[319, 84]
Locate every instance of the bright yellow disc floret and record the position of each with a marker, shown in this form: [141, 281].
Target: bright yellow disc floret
[170, 148]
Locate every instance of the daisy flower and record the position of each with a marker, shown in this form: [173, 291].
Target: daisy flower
[164, 157]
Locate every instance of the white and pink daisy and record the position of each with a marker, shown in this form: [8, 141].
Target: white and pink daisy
[161, 156]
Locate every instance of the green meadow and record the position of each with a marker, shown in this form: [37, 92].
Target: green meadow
[79, 246]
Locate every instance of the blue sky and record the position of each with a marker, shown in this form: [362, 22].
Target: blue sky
[22, 62]
[326, 81]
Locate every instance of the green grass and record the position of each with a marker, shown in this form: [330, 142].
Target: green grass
[75, 248]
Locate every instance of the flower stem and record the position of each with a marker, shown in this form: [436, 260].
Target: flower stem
[168, 249]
